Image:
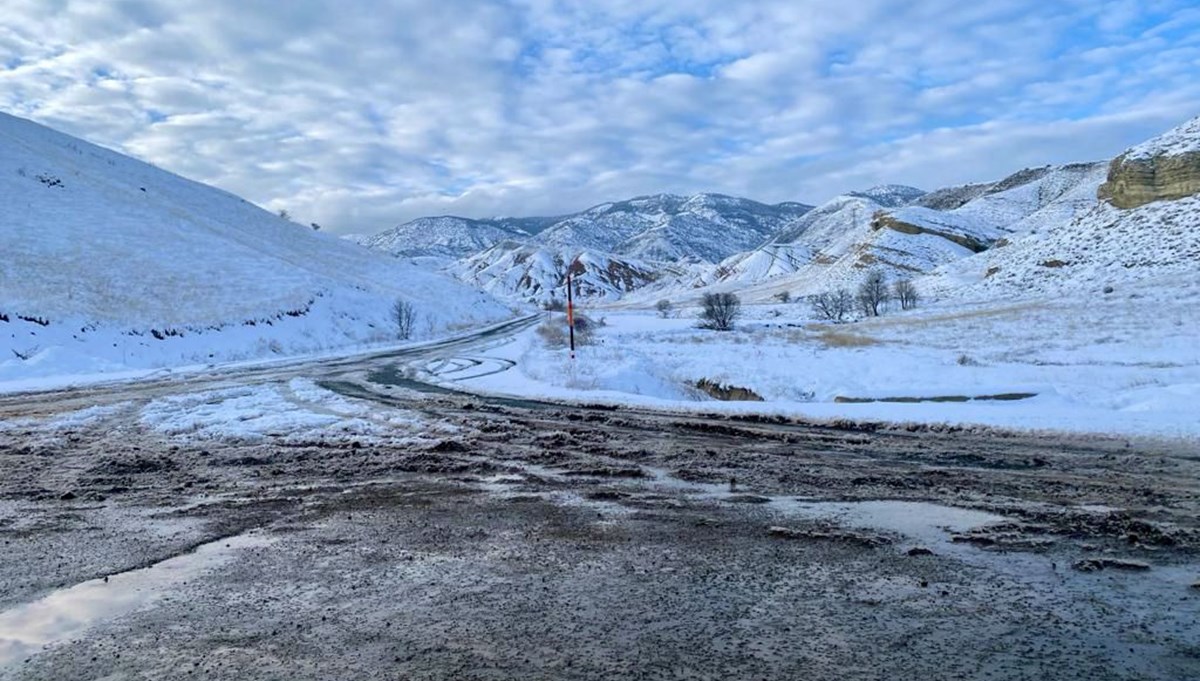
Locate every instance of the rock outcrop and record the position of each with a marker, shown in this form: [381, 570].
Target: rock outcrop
[882, 220]
[1166, 168]
[1136, 182]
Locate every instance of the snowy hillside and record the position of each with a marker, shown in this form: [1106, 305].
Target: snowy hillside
[451, 237]
[835, 245]
[111, 264]
[1079, 246]
[1183, 139]
[538, 274]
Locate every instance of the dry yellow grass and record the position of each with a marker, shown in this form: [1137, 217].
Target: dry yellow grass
[1006, 312]
[837, 338]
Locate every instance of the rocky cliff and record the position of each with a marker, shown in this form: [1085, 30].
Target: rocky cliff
[1165, 168]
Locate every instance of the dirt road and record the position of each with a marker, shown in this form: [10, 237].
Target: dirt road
[464, 537]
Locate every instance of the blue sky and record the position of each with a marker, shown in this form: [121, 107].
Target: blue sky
[359, 115]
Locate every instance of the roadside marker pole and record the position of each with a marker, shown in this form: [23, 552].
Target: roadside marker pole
[571, 311]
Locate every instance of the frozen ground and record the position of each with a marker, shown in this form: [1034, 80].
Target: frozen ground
[349, 523]
[1124, 363]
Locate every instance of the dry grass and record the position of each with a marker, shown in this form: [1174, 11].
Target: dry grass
[837, 338]
[1007, 312]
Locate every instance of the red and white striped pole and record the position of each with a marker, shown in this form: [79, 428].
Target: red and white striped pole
[571, 308]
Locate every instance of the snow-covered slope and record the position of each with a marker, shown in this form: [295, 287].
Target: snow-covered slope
[1103, 249]
[1184, 139]
[518, 271]
[835, 245]
[109, 263]
[1087, 248]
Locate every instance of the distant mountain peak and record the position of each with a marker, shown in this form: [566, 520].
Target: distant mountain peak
[890, 195]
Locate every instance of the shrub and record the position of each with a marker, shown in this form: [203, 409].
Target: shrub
[664, 308]
[784, 296]
[833, 306]
[719, 311]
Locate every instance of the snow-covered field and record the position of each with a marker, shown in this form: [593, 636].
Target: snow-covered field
[1123, 363]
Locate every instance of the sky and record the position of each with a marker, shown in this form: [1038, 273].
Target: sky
[360, 115]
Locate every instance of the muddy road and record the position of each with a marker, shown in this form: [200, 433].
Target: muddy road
[448, 536]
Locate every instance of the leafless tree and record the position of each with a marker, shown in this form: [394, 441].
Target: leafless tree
[873, 294]
[784, 297]
[832, 305]
[405, 317]
[719, 311]
[906, 292]
[664, 308]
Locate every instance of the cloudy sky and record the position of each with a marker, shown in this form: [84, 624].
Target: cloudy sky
[359, 115]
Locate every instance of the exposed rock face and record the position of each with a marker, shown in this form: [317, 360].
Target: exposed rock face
[1164, 168]
[882, 220]
[1134, 182]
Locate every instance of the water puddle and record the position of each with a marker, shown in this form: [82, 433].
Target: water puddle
[918, 520]
[65, 614]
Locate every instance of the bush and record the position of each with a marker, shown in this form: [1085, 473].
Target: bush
[555, 333]
[554, 305]
[719, 311]
[664, 308]
[784, 297]
[833, 306]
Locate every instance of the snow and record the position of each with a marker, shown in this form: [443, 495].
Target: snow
[297, 411]
[112, 265]
[1119, 366]
[1181, 140]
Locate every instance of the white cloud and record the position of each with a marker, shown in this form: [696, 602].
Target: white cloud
[359, 119]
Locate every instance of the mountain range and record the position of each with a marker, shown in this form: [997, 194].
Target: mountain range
[664, 245]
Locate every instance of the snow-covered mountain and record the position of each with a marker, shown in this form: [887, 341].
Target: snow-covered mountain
[660, 228]
[622, 246]
[451, 237]
[666, 228]
[109, 264]
[534, 273]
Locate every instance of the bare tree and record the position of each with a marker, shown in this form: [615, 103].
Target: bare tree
[873, 294]
[405, 317]
[554, 305]
[664, 308]
[832, 305]
[719, 311]
[784, 297]
[906, 292]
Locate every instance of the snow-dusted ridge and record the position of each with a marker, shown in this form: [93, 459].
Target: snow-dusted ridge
[1179, 140]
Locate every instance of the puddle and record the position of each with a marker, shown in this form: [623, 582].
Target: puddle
[918, 520]
[67, 613]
